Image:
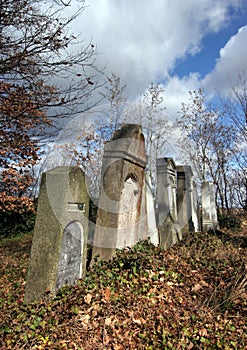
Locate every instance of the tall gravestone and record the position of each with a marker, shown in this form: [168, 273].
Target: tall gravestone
[58, 254]
[195, 208]
[184, 199]
[166, 199]
[121, 218]
[150, 211]
[209, 212]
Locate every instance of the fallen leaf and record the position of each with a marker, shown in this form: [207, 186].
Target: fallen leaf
[107, 293]
[108, 321]
[84, 320]
[203, 332]
[88, 298]
[196, 287]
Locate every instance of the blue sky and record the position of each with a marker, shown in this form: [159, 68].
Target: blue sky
[211, 44]
[182, 44]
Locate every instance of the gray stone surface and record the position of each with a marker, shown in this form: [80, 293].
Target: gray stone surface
[58, 254]
[150, 212]
[166, 199]
[209, 213]
[70, 258]
[195, 208]
[184, 199]
[120, 220]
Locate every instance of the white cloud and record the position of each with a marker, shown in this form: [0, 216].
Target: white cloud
[141, 40]
[176, 92]
[232, 59]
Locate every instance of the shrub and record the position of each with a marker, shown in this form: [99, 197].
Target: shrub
[13, 224]
[230, 222]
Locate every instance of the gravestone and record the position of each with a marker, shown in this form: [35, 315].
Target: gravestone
[184, 199]
[58, 254]
[195, 208]
[70, 258]
[150, 212]
[209, 213]
[166, 199]
[121, 218]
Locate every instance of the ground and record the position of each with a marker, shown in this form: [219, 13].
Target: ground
[191, 296]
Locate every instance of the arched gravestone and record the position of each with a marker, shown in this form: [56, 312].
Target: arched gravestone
[70, 258]
[59, 246]
[128, 212]
[121, 219]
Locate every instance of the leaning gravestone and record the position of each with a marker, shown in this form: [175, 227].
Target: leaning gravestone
[58, 254]
[166, 198]
[121, 218]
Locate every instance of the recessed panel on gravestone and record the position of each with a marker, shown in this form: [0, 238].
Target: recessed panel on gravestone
[128, 214]
[70, 260]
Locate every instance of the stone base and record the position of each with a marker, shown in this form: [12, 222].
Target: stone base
[210, 225]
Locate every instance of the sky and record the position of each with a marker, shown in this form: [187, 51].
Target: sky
[183, 45]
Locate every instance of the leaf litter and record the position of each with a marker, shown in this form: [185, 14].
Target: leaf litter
[191, 296]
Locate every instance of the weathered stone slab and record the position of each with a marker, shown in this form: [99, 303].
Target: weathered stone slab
[195, 208]
[120, 214]
[209, 213]
[166, 199]
[184, 199]
[58, 254]
[150, 212]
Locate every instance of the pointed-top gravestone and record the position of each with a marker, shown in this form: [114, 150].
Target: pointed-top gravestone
[58, 254]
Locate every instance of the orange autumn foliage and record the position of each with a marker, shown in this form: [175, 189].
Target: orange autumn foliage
[19, 115]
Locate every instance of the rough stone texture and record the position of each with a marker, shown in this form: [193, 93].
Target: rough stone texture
[151, 220]
[195, 208]
[184, 199]
[58, 254]
[121, 218]
[166, 199]
[209, 213]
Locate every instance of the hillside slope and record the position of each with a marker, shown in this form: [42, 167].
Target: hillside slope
[192, 296]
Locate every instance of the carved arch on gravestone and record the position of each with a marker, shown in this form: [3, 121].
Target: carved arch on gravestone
[128, 212]
[70, 259]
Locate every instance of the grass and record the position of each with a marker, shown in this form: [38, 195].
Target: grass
[192, 296]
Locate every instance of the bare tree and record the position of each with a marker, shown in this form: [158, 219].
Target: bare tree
[208, 142]
[46, 71]
[114, 95]
[234, 107]
[149, 111]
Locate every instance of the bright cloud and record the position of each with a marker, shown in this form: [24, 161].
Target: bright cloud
[141, 41]
[232, 59]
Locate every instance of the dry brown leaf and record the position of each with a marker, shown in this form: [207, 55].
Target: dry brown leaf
[88, 298]
[108, 321]
[84, 320]
[196, 287]
[107, 293]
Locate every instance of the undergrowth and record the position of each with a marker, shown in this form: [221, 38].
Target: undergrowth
[192, 296]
